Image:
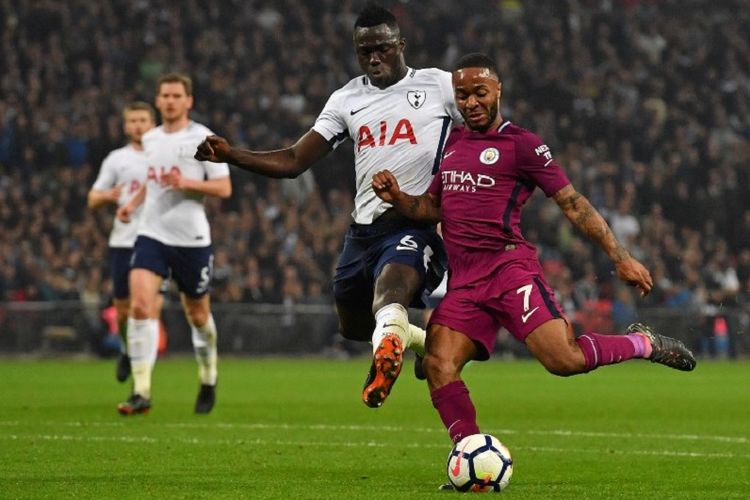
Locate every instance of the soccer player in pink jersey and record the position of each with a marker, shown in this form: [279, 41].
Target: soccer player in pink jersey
[489, 170]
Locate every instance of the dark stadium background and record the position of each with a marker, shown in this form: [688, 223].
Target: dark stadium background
[645, 103]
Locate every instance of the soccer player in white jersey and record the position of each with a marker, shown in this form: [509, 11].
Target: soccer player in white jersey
[121, 176]
[174, 239]
[396, 116]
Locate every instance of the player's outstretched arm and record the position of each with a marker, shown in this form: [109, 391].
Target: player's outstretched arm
[589, 221]
[425, 207]
[288, 162]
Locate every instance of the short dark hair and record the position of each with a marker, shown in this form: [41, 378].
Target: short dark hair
[176, 78]
[140, 106]
[374, 15]
[477, 60]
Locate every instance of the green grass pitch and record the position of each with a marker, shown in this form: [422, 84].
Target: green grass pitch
[296, 428]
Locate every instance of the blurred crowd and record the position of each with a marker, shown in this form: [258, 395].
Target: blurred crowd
[645, 103]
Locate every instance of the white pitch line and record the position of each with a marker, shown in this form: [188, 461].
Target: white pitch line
[355, 444]
[387, 428]
[629, 435]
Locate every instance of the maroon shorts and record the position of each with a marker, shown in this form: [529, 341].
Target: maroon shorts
[517, 298]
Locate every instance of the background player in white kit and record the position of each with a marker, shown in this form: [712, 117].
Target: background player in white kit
[173, 237]
[121, 176]
[396, 116]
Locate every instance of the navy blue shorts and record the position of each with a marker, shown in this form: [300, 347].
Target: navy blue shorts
[368, 248]
[191, 267]
[119, 267]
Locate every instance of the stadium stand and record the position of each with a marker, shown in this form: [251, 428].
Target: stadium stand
[645, 102]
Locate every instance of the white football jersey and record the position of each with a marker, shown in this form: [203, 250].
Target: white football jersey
[175, 217]
[401, 128]
[125, 167]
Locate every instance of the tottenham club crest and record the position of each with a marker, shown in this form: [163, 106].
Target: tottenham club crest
[489, 156]
[416, 98]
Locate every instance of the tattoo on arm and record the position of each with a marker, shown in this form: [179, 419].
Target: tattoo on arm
[590, 222]
[423, 208]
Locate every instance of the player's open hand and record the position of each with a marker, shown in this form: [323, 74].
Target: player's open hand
[386, 186]
[213, 148]
[634, 273]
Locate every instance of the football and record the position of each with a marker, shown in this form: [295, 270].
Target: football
[480, 463]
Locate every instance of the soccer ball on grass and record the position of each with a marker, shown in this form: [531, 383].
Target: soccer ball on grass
[480, 463]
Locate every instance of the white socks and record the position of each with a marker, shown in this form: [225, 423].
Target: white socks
[394, 319]
[143, 341]
[204, 344]
[418, 336]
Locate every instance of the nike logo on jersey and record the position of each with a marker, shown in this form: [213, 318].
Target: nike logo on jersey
[525, 317]
[446, 155]
[355, 111]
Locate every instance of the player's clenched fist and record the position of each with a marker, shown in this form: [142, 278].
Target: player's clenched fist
[386, 186]
[213, 148]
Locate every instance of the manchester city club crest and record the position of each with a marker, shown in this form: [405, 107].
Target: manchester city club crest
[416, 98]
[489, 156]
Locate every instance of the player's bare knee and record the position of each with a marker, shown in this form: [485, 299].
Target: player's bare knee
[439, 369]
[139, 308]
[397, 284]
[197, 316]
